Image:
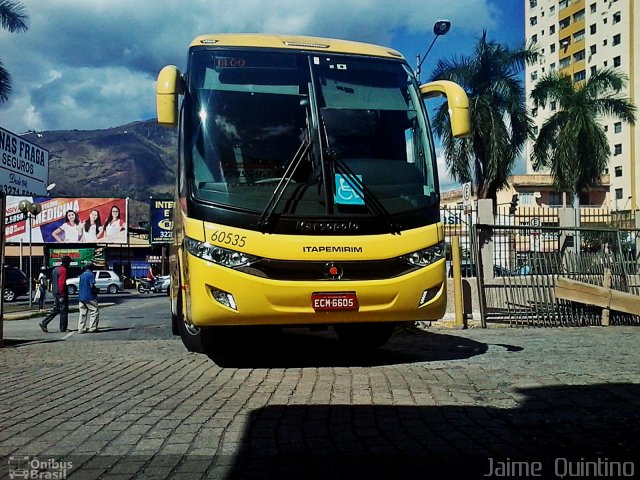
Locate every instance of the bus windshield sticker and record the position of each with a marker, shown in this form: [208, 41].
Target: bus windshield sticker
[348, 190]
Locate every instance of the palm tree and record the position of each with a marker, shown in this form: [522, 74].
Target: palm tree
[14, 19]
[500, 124]
[572, 142]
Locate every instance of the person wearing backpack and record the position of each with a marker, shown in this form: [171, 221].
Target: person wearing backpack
[42, 281]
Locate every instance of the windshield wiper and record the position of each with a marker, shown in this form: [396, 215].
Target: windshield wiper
[266, 218]
[373, 204]
[372, 201]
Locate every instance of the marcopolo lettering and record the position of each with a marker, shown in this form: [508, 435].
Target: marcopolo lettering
[305, 226]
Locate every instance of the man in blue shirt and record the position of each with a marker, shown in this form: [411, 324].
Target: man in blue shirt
[88, 301]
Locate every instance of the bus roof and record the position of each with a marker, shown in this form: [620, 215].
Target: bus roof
[294, 42]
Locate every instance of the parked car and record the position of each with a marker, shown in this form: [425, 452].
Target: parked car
[499, 271]
[16, 283]
[468, 269]
[106, 280]
[163, 284]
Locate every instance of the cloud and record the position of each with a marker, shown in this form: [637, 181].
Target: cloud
[89, 92]
[92, 64]
[446, 181]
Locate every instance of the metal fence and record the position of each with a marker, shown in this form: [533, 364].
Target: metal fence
[528, 260]
[519, 250]
[458, 223]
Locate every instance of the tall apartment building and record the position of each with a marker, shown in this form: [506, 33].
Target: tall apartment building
[575, 37]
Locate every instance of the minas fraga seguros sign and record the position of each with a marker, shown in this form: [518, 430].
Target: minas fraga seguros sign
[24, 166]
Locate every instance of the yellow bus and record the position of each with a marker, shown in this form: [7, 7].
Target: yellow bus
[307, 190]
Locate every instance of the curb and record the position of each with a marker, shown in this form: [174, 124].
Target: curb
[448, 321]
[24, 315]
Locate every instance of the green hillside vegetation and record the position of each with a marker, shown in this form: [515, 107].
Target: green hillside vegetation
[135, 160]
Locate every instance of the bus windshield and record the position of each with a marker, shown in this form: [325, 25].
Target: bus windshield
[249, 113]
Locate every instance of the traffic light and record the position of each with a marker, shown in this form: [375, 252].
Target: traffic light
[514, 205]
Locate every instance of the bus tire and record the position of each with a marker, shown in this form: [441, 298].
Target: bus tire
[194, 339]
[364, 336]
[175, 318]
[174, 325]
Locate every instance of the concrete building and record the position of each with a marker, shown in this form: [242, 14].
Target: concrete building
[575, 37]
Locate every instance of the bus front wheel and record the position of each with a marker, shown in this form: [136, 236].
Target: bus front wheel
[364, 336]
[194, 339]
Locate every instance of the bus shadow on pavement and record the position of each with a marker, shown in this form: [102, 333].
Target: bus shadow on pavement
[301, 348]
[556, 432]
[22, 342]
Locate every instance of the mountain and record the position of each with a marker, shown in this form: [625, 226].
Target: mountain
[136, 160]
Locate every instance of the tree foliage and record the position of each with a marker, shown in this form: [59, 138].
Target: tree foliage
[500, 125]
[572, 142]
[14, 19]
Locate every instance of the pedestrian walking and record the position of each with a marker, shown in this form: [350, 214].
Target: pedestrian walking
[88, 301]
[60, 296]
[41, 292]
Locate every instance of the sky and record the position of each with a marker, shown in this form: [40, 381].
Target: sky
[92, 64]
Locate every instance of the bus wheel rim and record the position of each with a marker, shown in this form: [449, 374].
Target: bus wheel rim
[191, 329]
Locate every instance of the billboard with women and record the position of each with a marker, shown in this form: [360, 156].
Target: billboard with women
[68, 220]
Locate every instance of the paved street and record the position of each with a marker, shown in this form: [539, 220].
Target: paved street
[130, 402]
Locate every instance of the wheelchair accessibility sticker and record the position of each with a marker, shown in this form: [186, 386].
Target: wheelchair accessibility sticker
[348, 190]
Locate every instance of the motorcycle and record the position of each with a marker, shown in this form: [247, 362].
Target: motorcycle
[144, 285]
[160, 285]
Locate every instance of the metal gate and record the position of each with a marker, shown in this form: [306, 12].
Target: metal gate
[527, 261]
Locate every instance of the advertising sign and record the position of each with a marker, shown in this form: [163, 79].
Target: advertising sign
[79, 256]
[24, 167]
[68, 220]
[161, 220]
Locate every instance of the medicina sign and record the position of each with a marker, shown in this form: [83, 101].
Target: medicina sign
[24, 166]
[68, 220]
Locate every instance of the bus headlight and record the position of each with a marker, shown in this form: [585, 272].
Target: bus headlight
[218, 255]
[426, 256]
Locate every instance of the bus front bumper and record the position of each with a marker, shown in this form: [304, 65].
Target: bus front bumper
[243, 299]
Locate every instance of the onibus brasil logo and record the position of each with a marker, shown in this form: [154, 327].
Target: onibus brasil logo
[37, 468]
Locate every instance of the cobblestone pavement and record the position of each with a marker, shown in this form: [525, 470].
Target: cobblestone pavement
[431, 404]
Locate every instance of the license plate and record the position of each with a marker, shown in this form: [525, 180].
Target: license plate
[334, 301]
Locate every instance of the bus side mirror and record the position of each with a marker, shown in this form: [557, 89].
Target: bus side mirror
[167, 90]
[458, 104]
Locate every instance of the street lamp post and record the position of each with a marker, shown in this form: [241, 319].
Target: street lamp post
[441, 27]
[29, 210]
